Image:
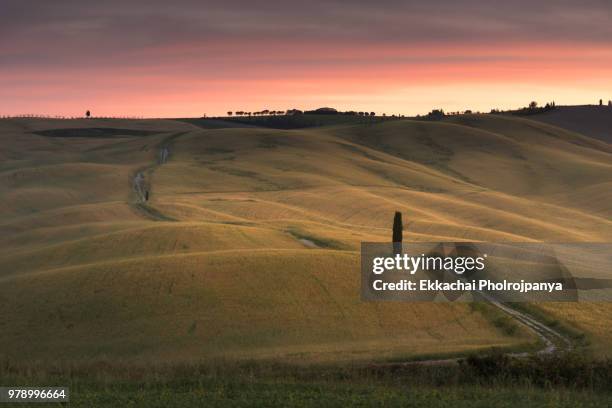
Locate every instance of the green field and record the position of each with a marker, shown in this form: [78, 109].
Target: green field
[248, 245]
[549, 381]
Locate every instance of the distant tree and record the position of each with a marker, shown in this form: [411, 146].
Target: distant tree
[533, 105]
[398, 232]
[372, 113]
[468, 112]
[601, 102]
[610, 103]
[88, 114]
[435, 114]
[229, 113]
[360, 113]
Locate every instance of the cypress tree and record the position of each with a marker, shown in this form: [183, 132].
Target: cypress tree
[397, 232]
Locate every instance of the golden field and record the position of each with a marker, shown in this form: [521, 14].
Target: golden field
[249, 244]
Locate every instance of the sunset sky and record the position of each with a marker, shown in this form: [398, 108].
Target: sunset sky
[186, 58]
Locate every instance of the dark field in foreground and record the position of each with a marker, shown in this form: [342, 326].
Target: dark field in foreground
[496, 380]
[331, 395]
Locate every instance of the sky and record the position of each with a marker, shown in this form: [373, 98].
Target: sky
[154, 58]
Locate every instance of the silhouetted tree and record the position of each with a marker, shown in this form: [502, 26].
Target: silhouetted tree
[398, 231]
[601, 102]
[229, 113]
[435, 114]
[372, 113]
[533, 105]
[610, 103]
[88, 114]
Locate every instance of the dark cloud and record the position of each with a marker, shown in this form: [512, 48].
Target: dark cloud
[64, 31]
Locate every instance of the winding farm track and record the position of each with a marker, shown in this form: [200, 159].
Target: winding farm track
[553, 340]
[140, 184]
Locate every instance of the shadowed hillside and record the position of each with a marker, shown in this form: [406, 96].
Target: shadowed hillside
[298, 121]
[590, 120]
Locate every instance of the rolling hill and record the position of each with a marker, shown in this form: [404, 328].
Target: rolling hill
[248, 244]
[589, 120]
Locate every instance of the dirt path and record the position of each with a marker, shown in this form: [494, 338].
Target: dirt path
[139, 186]
[142, 187]
[164, 152]
[552, 339]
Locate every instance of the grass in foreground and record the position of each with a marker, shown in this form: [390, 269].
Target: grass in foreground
[330, 394]
[490, 381]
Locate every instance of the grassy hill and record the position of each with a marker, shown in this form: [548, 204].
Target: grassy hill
[589, 120]
[248, 245]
